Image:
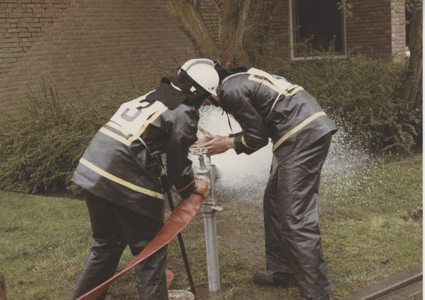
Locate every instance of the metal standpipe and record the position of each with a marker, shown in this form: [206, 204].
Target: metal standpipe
[208, 212]
[209, 208]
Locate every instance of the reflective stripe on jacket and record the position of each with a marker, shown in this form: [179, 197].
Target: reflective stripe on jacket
[295, 121]
[118, 167]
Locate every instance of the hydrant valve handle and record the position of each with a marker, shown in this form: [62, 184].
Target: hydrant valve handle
[217, 208]
[198, 151]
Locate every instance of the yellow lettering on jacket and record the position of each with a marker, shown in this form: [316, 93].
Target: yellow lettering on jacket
[132, 138]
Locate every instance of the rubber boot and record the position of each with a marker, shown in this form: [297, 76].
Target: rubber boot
[276, 279]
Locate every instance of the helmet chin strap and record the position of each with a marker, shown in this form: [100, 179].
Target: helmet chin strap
[228, 120]
[195, 93]
[176, 87]
[213, 101]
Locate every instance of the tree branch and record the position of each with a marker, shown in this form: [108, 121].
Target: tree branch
[216, 5]
[242, 24]
[190, 20]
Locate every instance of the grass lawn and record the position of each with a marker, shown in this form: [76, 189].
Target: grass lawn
[371, 222]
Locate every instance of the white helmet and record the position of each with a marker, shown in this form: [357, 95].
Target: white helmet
[203, 72]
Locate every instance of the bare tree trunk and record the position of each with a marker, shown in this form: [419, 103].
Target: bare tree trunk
[235, 24]
[187, 14]
[233, 19]
[261, 42]
[413, 79]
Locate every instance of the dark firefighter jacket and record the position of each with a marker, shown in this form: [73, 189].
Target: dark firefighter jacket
[295, 122]
[118, 167]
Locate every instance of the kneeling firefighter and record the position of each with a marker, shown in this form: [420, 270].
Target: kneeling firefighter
[121, 172]
[267, 106]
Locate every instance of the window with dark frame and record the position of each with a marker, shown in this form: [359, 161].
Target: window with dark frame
[317, 24]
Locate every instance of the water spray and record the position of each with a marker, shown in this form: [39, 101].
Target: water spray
[212, 175]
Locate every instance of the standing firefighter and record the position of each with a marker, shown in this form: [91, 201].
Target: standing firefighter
[269, 106]
[122, 174]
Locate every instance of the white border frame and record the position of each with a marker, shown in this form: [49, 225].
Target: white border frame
[291, 28]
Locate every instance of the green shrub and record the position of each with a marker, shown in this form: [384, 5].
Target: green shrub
[41, 148]
[364, 96]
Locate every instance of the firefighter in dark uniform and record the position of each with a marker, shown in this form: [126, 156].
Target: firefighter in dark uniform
[267, 106]
[122, 174]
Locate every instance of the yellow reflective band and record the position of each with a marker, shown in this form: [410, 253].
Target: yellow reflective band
[295, 90]
[245, 144]
[118, 127]
[121, 181]
[292, 89]
[297, 128]
[115, 136]
[148, 121]
[186, 186]
[263, 81]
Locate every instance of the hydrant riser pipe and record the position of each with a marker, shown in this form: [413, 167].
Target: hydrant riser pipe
[212, 251]
[211, 175]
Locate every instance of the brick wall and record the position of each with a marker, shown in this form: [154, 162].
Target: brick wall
[90, 43]
[98, 43]
[376, 28]
[210, 16]
[281, 28]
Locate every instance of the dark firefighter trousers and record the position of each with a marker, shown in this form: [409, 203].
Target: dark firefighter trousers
[293, 243]
[114, 227]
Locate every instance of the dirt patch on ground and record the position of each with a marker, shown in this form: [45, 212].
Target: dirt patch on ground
[239, 227]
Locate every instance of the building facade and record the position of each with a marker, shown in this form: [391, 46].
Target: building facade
[84, 45]
[88, 45]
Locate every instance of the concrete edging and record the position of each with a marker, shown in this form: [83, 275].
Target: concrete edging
[391, 284]
[394, 287]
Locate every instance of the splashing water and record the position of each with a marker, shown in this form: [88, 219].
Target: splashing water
[344, 155]
[244, 177]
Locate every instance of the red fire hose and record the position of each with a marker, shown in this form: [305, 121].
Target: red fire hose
[184, 212]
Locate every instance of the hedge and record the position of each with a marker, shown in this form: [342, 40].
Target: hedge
[40, 150]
